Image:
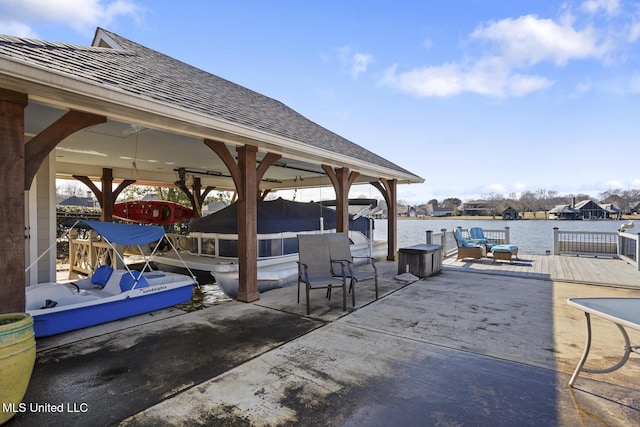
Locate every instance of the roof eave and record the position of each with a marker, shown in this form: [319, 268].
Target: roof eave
[73, 92]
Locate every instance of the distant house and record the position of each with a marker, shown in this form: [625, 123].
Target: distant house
[433, 209]
[612, 211]
[78, 201]
[212, 207]
[406, 210]
[421, 211]
[591, 210]
[510, 213]
[378, 213]
[564, 212]
[634, 207]
[477, 208]
[586, 209]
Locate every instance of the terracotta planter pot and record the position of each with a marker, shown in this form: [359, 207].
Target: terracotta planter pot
[17, 357]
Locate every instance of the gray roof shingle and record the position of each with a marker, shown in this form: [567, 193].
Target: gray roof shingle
[141, 71]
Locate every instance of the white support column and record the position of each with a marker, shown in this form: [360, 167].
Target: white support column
[444, 242]
[40, 218]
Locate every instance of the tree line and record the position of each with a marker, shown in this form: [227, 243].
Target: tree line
[542, 200]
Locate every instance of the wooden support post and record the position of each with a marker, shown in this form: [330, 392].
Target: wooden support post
[107, 199]
[246, 179]
[196, 196]
[73, 253]
[388, 189]
[342, 181]
[196, 199]
[12, 226]
[264, 193]
[248, 225]
[107, 196]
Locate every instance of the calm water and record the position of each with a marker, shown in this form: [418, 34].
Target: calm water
[531, 236]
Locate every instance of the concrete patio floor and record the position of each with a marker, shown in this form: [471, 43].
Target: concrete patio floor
[456, 349]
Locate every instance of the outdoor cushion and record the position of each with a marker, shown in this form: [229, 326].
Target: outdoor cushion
[101, 275]
[126, 282]
[464, 243]
[504, 248]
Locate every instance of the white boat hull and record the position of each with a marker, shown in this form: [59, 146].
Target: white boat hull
[272, 272]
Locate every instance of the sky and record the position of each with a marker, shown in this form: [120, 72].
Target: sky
[476, 97]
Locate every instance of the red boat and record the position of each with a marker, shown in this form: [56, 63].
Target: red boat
[157, 212]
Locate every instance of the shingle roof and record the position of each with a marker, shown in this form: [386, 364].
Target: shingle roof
[563, 209]
[584, 203]
[143, 72]
[76, 201]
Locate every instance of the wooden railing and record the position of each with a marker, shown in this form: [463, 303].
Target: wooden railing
[86, 253]
[444, 239]
[623, 245]
[593, 243]
[180, 241]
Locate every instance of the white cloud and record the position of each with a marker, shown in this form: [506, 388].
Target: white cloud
[528, 40]
[357, 62]
[507, 50]
[595, 6]
[482, 78]
[497, 188]
[582, 88]
[360, 63]
[614, 183]
[520, 85]
[77, 14]
[17, 29]
[442, 81]
[634, 32]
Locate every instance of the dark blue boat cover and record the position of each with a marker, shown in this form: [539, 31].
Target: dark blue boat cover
[276, 216]
[124, 234]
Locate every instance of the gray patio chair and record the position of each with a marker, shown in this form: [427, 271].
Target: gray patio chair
[314, 268]
[340, 250]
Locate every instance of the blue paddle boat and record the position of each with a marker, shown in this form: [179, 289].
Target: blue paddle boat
[109, 294]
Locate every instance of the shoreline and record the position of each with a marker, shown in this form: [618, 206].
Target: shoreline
[527, 217]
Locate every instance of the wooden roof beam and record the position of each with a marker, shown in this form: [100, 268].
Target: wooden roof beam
[39, 147]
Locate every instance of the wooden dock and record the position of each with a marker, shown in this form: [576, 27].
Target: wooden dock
[563, 268]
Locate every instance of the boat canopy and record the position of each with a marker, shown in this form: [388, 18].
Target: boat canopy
[124, 234]
[276, 216]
